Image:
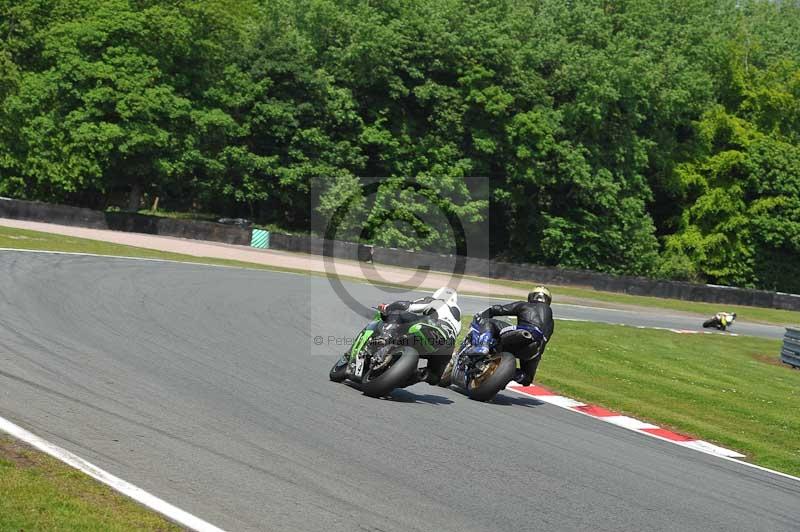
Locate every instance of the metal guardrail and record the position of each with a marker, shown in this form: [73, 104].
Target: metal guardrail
[790, 353]
[123, 221]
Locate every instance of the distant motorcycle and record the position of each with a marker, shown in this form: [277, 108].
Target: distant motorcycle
[720, 321]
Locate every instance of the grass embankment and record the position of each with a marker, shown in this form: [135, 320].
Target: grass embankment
[40, 493]
[208, 217]
[175, 215]
[755, 314]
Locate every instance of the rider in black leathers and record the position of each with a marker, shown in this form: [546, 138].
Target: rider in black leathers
[534, 315]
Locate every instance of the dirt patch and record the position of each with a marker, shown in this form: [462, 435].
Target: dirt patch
[772, 360]
[16, 452]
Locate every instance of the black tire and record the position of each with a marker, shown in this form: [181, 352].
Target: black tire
[708, 324]
[339, 370]
[397, 376]
[495, 382]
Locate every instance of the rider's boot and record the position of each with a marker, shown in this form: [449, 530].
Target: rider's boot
[419, 375]
[447, 375]
[436, 367]
[520, 377]
[483, 345]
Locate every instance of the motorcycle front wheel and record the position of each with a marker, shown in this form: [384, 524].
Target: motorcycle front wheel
[338, 372]
[498, 370]
[396, 375]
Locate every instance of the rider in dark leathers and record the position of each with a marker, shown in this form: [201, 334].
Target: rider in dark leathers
[534, 315]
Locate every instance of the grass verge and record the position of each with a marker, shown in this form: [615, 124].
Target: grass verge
[41, 493]
[174, 215]
[35, 240]
[729, 390]
[208, 217]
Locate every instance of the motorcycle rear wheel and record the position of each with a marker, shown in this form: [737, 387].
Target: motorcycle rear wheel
[498, 373]
[396, 376]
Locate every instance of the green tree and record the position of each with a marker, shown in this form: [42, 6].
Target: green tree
[634, 137]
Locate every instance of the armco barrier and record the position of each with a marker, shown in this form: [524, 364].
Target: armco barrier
[123, 221]
[52, 213]
[790, 353]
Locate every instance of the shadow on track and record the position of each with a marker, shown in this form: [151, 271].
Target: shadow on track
[516, 400]
[401, 395]
[506, 400]
[404, 396]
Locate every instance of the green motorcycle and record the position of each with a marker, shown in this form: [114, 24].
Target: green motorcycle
[386, 353]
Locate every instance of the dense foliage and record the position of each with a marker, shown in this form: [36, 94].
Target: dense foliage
[628, 136]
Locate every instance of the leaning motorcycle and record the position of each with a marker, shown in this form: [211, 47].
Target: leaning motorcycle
[720, 321]
[482, 377]
[386, 352]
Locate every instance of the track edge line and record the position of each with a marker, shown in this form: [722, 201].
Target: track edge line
[171, 512]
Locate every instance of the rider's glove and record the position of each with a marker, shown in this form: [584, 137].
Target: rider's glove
[474, 330]
[477, 319]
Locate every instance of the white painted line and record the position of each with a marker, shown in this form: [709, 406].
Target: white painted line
[589, 307]
[710, 448]
[266, 268]
[765, 469]
[628, 422]
[511, 298]
[559, 400]
[78, 254]
[139, 495]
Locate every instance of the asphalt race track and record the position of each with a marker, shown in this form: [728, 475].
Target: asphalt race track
[205, 387]
[643, 317]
